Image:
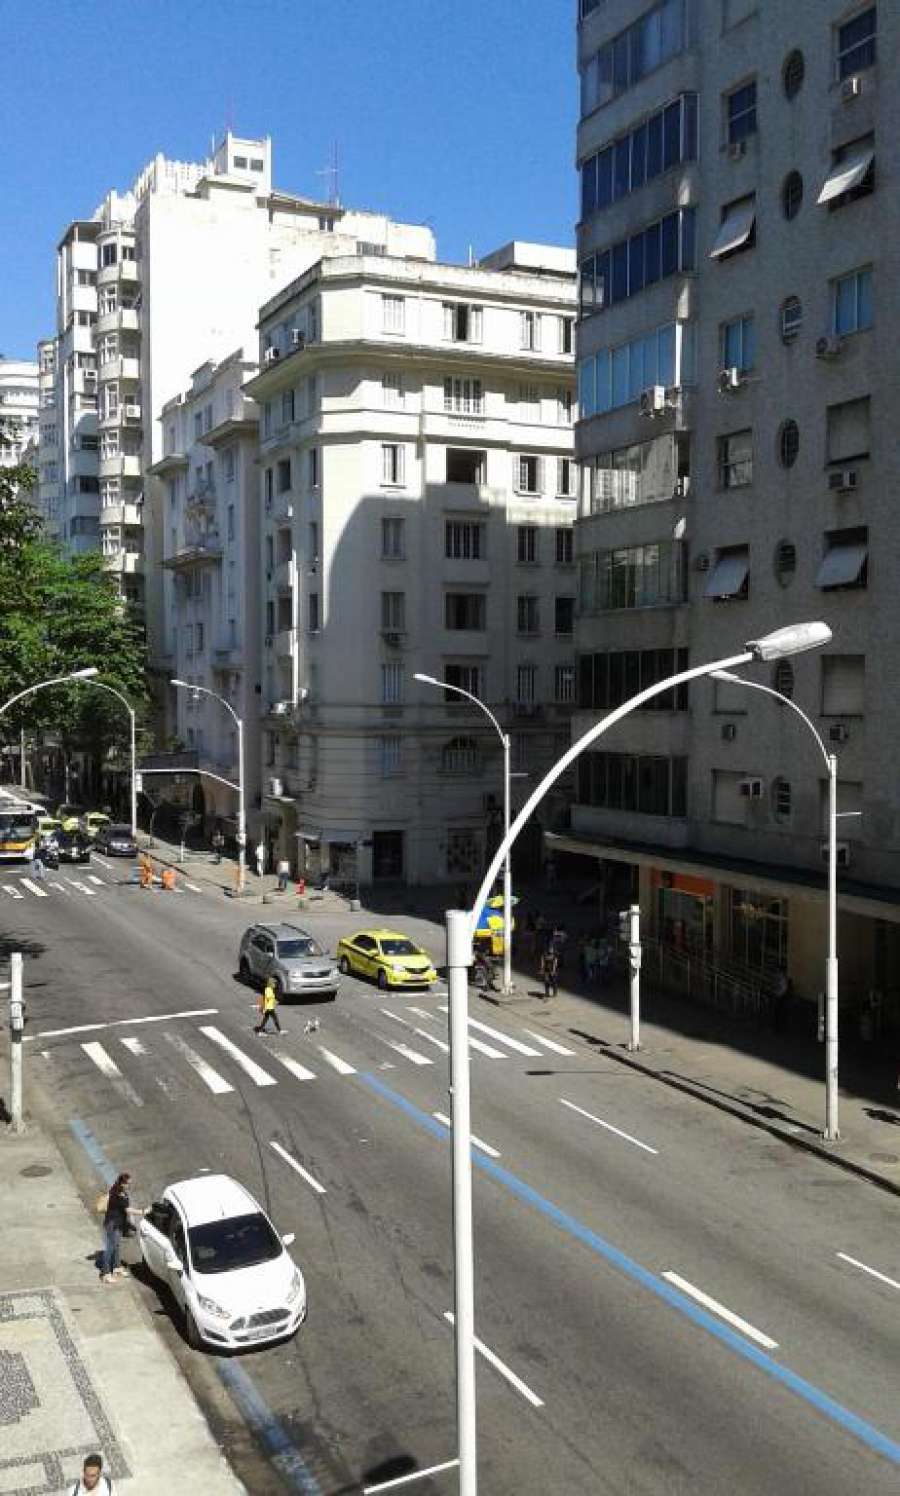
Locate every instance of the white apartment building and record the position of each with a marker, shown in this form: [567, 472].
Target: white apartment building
[418, 495]
[206, 504]
[737, 359]
[19, 400]
[48, 491]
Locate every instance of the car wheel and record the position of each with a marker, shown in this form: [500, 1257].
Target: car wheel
[344, 966]
[244, 970]
[191, 1333]
[382, 979]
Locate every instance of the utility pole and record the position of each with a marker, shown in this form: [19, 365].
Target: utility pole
[630, 932]
[16, 1024]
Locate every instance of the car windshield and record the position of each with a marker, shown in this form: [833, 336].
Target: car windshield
[225, 1246]
[70, 839]
[400, 948]
[288, 949]
[119, 831]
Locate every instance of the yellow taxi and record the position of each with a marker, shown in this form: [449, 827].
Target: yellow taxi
[388, 957]
[92, 822]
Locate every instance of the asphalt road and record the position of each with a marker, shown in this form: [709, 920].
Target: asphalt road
[672, 1302]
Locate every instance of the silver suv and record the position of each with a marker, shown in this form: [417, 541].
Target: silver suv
[297, 964]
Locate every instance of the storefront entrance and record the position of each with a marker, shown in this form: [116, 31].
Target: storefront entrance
[387, 856]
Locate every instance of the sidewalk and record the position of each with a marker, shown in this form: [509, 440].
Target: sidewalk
[202, 867]
[82, 1367]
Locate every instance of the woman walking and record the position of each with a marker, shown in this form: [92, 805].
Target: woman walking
[115, 1219]
[268, 1008]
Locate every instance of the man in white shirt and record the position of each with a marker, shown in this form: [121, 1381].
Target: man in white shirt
[92, 1478]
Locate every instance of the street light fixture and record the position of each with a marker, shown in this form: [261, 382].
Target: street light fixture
[460, 926]
[187, 685]
[832, 1133]
[430, 680]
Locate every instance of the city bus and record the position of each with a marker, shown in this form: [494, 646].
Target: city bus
[18, 830]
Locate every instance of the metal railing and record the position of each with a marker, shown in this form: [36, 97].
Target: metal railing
[684, 973]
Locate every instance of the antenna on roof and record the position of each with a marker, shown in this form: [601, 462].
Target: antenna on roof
[331, 172]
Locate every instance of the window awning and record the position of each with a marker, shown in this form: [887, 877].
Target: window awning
[842, 565]
[728, 575]
[735, 230]
[847, 173]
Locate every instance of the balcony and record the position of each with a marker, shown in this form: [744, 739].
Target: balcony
[121, 514]
[122, 465]
[283, 643]
[202, 499]
[125, 271]
[166, 467]
[279, 577]
[124, 563]
[280, 507]
[120, 367]
[227, 648]
[195, 553]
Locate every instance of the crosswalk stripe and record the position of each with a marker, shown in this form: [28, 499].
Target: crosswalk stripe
[422, 1033]
[477, 1044]
[82, 888]
[108, 1067]
[16, 893]
[134, 1046]
[549, 1043]
[210, 1077]
[298, 1168]
[62, 888]
[194, 887]
[516, 1044]
[257, 1074]
[40, 893]
[298, 1071]
[404, 1049]
[335, 1061]
[99, 881]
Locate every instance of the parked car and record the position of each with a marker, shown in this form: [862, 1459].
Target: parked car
[217, 1251]
[293, 959]
[92, 821]
[389, 957]
[116, 841]
[69, 815]
[73, 846]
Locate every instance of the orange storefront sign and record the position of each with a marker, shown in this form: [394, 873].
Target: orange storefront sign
[701, 888]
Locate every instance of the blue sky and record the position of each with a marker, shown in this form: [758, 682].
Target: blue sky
[460, 114]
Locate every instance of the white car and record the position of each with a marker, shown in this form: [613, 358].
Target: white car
[210, 1242]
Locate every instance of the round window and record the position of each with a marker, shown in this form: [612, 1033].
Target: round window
[785, 561]
[791, 318]
[781, 799]
[792, 194]
[788, 443]
[792, 73]
[783, 678]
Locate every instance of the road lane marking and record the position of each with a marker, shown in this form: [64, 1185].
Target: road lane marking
[873, 1271]
[210, 1077]
[100, 882]
[516, 1044]
[498, 1365]
[62, 888]
[733, 1319]
[335, 1061]
[134, 1046]
[40, 893]
[257, 1074]
[405, 1480]
[421, 1013]
[608, 1125]
[478, 1044]
[194, 887]
[15, 893]
[82, 888]
[91, 1028]
[298, 1071]
[549, 1043]
[485, 1147]
[404, 1049]
[422, 1033]
[108, 1067]
[298, 1168]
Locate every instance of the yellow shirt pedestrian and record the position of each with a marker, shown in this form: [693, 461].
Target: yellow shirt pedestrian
[269, 1008]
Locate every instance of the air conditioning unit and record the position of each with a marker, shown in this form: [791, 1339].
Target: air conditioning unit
[843, 853]
[701, 562]
[271, 356]
[653, 400]
[729, 379]
[839, 733]
[133, 411]
[829, 347]
[851, 88]
[392, 638]
[843, 481]
[297, 338]
[751, 789]
[280, 708]
[737, 149]
[276, 787]
[729, 731]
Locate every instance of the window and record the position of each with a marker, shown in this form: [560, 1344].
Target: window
[785, 561]
[313, 466]
[564, 683]
[617, 376]
[565, 552]
[526, 544]
[312, 613]
[845, 565]
[108, 254]
[608, 680]
[852, 173]
[565, 407]
[639, 576]
[466, 465]
[565, 325]
[528, 474]
[228, 464]
[781, 799]
[389, 750]
[393, 314]
[527, 614]
[283, 475]
[564, 615]
[240, 163]
[230, 522]
[737, 344]
[791, 318]
[462, 322]
[392, 539]
[256, 164]
[565, 478]
[460, 756]
[287, 407]
[738, 228]
[526, 684]
[740, 113]
[648, 784]
[466, 677]
[392, 391]
[855, 44]
[788, 443]
[529, 401]
[463, 540]
[393, 611]
[464, 852]
[666, 139]
[736, 459]
[312, 394]
[664, 248]
[463, 396]
[312, 548]
[465, 610]
[730, 576]
[792, 74]
[791, 194]
[783, 678]
[843, 685]
[268, 486]
[393, 464]
[267, 418]
[848, 430]
[650, 41]
[391, 684]
[851, 303]
[530, 331]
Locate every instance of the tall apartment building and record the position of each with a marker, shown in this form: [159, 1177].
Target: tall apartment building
[738, 248]
[19, 399]
[418, 497]
[47, 493]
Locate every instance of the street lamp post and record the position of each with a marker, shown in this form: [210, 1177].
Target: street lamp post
[242, 820]
[460, 929]
[832, 1132]
[430, 680]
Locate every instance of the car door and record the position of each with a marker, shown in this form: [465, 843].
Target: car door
[153, 1238]
[257, 954]
[363, 947]
[178, 1246]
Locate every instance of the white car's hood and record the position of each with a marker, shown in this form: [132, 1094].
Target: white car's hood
[249, 1289]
